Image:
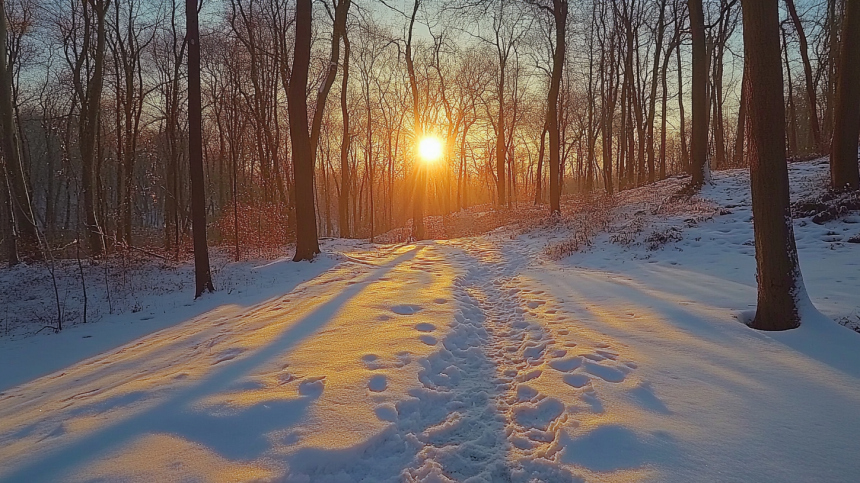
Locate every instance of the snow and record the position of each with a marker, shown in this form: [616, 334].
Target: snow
[489, 358]
[143, 298]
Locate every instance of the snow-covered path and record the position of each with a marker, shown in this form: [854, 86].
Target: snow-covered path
[468, 360]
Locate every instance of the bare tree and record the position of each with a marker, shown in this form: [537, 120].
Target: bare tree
[89, 80]
[811, 93]
[843, 151]
[558, 10]
[202, 275]
[307, 243]
[779, 280]
[19, 196]
[699, 141]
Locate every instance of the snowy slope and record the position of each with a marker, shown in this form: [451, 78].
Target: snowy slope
[482, 359]
[125, 303]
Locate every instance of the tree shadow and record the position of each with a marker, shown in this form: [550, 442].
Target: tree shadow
[237, 434]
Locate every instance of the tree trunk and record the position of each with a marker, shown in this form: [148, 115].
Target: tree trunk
[807, 72]
[420, 185]
[560, 14]
[202, 275]
[792, 112]
[89, 127]
[19, 197]
[500, 135]
[8, 220]
[843, 152]
[699, 142]
[779, 280]
[343, 201]
[685, 154]
[307, 243]
[340, 11]
[661, 27]
[740, 132]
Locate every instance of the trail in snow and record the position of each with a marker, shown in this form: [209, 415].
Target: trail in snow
[474, 360]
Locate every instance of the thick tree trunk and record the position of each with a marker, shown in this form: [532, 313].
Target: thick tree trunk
[202, 275]
[307, 243]
[699, 142]
[779, 281]
[843, 152]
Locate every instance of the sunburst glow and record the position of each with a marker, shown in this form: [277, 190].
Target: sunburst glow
[430, 149]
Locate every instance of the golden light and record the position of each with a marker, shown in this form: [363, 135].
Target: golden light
[430, 149]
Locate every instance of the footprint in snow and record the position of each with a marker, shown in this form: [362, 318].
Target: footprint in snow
[428, 339]
[378, 383]
[312, 386]
[371, 361]
[576, 380]
[406, 309]
[386, 412]
[525, 393]
[565, 365]
[539, 415]
[608, 374]
[425, 327]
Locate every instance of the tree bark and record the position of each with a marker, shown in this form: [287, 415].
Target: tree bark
[699, 142]
[307, 243]
[779, 280]
[843, 151]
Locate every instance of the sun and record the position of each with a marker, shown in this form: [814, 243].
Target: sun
[430, 149]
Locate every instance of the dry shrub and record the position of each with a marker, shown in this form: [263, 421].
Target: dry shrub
[264, 229]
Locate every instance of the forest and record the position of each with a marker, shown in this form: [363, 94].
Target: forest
[429, 240]
[597, 95]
